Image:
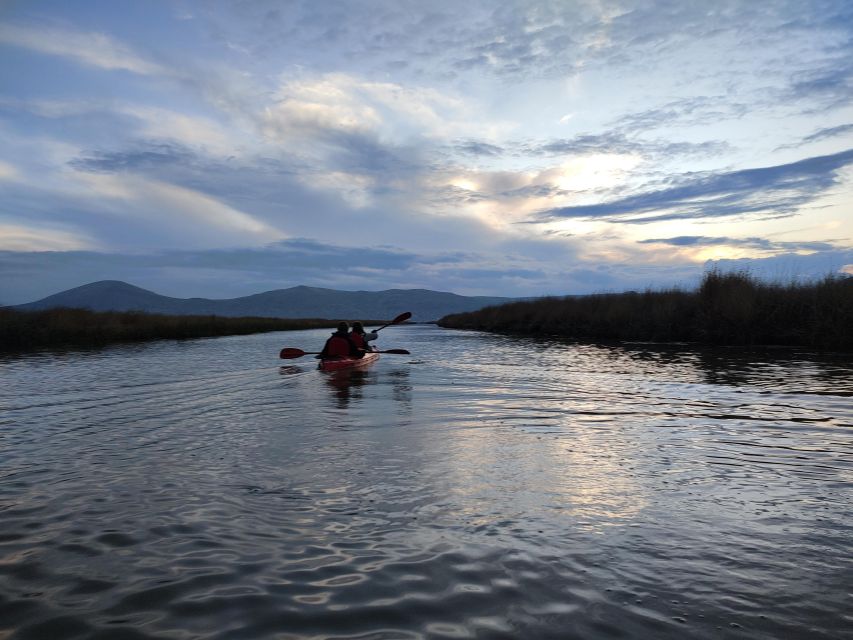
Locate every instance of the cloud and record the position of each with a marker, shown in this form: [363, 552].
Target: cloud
[478, 148]
[789, 266]
[612, 142]
[93, 49]
[432, 129]
[7, 171]
[272, 188]
[346, 104]
[778, 190]
[763, 244]
[615, 142]
[140, 198]
[93, 120]
[189, 129]
[222, 273]
[692, 111]
[507, 38]
[828, 133]
[146, 157]
[828, 85]
[167, 205]
[377, 130]
[16, 237]
[535, 39]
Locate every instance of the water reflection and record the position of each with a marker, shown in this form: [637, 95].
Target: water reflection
[401, 386]
[818, 373]
[594, 481]
[346, 385]
[541, 481]
[767, 367]
[489, 487]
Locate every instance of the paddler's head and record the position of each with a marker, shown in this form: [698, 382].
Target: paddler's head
[357, 327]
[343, 327]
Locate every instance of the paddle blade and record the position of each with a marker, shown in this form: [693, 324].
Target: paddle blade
[402, 352]
[401, 318]
[288, 352]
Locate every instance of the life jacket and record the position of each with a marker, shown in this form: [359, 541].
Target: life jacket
[338, 346]
[358, 340]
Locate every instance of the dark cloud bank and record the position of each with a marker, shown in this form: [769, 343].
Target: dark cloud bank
[777, 191]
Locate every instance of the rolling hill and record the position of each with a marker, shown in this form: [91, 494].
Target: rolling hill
[295, 302]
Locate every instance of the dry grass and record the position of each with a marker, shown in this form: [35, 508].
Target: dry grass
[26, 330]
[726, 309]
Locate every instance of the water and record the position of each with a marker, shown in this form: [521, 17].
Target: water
[483, 487]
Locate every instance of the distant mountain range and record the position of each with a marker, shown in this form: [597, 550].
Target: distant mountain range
[296, 302]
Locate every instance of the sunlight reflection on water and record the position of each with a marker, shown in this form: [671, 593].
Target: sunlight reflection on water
[484, 486]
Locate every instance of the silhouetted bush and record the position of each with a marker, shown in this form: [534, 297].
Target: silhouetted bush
[726, 309]
[24, 330]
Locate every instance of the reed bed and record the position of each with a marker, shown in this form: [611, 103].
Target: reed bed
[27, 330]
[726, 309]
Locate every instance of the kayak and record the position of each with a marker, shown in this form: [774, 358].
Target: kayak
[337, 364]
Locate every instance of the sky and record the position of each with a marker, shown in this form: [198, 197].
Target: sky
[222, 148]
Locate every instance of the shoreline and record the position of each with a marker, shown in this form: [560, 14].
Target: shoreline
[32, 331]
[734, 310]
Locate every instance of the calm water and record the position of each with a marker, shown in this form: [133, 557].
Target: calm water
[483, 487]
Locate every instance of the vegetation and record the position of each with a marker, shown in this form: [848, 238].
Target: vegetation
[26, 330]
[726, 309]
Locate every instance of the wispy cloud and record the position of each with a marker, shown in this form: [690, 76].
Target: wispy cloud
[616, 142]
[827, 133]
[431, 129]
[763, 244]
[94, 49]
[8, 171]
[478, 148]
[19, 237]
[508, 39]
[685, 112]
[145, 157]
[827, 85]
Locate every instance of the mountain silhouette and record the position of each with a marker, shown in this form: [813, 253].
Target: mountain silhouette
[295, 302]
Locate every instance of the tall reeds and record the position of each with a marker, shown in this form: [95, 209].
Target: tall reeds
[726, 309]
[26, 330]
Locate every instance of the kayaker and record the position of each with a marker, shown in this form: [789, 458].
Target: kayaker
[360, 338]
[339, 345]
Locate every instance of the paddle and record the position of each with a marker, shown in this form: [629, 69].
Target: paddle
[401, 318]
[289, 352]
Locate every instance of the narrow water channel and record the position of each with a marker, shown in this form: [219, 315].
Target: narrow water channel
[481, 487]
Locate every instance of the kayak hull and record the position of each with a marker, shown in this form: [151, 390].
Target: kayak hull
[347, 363]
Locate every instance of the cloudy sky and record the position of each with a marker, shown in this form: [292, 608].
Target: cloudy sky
[220, 148]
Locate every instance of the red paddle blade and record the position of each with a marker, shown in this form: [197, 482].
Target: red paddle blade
[401, 318]
[289, 352]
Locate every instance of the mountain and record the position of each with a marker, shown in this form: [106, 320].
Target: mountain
[296, 302]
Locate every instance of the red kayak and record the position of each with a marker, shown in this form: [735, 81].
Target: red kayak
[336, 364]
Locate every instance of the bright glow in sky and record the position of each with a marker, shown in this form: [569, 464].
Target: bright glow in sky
[220, 148]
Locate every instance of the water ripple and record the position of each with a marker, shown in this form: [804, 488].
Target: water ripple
[490, 487]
